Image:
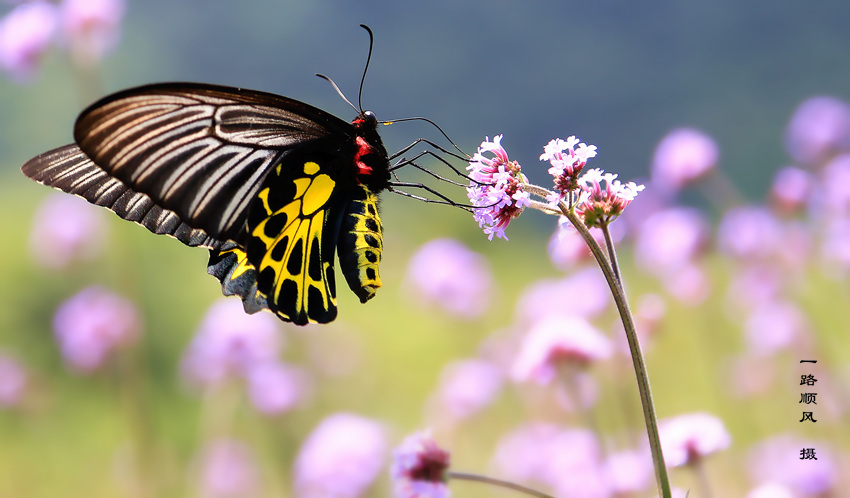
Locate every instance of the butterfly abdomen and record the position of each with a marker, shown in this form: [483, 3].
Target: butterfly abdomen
[360, 245]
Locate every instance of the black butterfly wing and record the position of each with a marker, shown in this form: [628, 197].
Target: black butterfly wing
[69, 169]
[201, 151]
[194, 160]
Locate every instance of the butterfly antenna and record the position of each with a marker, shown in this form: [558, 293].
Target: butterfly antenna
[435, 125]
[368, 59]
[338, 91]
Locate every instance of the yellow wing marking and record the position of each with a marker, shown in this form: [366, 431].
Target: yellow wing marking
[311, 168]
[301, 235]
[243, 264]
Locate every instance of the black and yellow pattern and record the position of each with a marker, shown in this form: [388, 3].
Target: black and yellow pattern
[294, 258]
[361, 244]
[269, 184]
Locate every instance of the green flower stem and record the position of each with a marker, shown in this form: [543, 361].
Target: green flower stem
[612, 254]
[612, 276]
[698, 467]
[497, 482]
[130, 379]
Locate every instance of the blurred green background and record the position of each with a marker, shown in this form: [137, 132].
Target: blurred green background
[618, 75]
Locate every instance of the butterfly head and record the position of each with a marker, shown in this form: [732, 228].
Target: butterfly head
[367, 119]
[371, 157]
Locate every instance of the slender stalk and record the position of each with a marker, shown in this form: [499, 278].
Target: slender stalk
[699, 469]
[131, 380]
[498, 482]
[641, 375]
[612, 254]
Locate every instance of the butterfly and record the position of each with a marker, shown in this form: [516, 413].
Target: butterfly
[270, 185]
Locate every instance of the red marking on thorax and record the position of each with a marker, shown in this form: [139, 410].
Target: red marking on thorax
[363, 149]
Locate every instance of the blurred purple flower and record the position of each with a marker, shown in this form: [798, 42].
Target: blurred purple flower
[466, 387]
[754, 285]
[687, 438]
[567, 248]
[556, 340]
[584, 293]
[340, 458]
[834, 191]
[445, 272]
[750, 375]
[774, 326]
[835, 247]
[567, 460]
[683, 156]
[670, 239]
[275, 388]
[228, 469]
[796, 249]
[66, 229]
[648, 314]
[791, 189]
[580, 396]
[92, 325]
[650, 310]
[230, 342]
[689, 284]
[652, 200]
[92, 27]
[419, 468]
[13, 381]
[770, 490]
[521, 454]
[25, 35]
[819, 128]
[750, 232]
[629, 472]
[777, 460]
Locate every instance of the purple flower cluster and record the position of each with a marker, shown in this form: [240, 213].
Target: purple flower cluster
[341, 457]
[818, 130]
[683, 157]
[555, 341]
[89, 29]
[495, 188]
[25, 35]
[92, 325]
[604, 197]
[231, 344]
[570, 461]
[447, 273]
[568, 159]
[690, 437]
[66, 230]
[500, 192]
[419, 468]
[466, 387]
